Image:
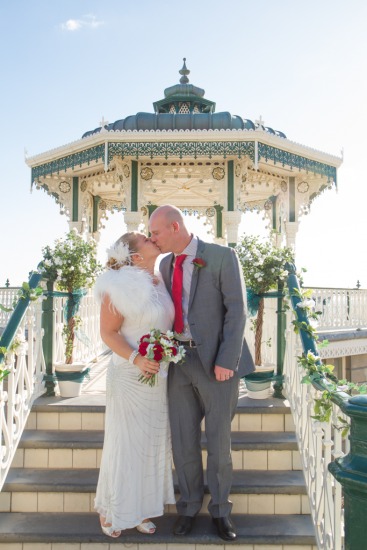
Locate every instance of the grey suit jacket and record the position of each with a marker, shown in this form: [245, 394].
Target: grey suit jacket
[217, 308]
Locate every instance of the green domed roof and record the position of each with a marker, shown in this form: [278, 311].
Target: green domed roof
[183, 108]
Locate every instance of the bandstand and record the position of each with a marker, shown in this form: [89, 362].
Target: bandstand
[216, 165]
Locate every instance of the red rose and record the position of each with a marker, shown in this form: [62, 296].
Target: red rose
[158, 352]
[173, 351]
[199, 262]
[145, 336]
[143, 348]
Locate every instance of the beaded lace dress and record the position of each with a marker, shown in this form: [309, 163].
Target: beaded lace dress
[135, 478]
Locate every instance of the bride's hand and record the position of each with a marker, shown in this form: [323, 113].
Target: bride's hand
[147, 366]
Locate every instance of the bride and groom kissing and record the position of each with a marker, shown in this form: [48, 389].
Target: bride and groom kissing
[200, 295]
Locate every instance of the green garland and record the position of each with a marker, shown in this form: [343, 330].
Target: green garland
[318, 374]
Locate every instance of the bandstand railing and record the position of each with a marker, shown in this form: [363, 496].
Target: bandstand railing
[24, 360]
[335, 468]
[341, 308]
[7, 297]
[33, 347]
[88, 344]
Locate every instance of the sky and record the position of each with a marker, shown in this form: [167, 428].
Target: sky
[300, 64]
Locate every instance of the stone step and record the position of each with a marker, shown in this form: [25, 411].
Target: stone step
[83, 449]
[57, 490]
[88, 413]
[50, 531]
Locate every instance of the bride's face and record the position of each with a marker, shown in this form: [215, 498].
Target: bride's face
[146, 248]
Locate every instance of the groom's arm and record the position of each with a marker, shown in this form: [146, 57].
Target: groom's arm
[234, 319]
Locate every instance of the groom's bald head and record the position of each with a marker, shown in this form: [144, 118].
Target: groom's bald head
[168, 230]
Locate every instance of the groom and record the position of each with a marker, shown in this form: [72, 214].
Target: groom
[206, 284]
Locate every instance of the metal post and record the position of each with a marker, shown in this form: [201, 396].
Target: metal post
[47, 343]
[134, 186]
[281, 328]
[351, 472]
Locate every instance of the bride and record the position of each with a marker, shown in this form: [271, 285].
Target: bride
[135, 478]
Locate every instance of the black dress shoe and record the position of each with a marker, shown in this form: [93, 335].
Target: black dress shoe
[226, 529]
[183, 525]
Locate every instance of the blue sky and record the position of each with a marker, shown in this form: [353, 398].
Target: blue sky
[300, 64]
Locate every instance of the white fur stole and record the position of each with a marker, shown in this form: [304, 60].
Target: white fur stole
[130, 290]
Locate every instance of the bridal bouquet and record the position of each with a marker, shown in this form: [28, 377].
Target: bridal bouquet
[161, 347]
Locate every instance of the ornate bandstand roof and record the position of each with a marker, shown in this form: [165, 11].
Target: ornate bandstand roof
[186, 153]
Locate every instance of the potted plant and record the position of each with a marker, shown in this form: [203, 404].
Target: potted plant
[72, 265]
[263, 268]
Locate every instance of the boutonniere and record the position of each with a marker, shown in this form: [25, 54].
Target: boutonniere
[198, 263]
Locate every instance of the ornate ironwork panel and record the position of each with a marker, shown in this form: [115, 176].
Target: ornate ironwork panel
[182, 149]
[285, 158]
[94, 154]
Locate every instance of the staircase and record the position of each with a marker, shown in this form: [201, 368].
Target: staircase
[47, 500]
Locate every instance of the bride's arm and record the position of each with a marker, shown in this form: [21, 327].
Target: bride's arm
[110, 323]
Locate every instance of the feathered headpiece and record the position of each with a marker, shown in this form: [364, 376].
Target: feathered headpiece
[119, 252]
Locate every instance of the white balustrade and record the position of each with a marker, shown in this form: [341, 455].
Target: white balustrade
[319, 443]
[26, 364]
[341, 308]
[7, 296]
[23, 384]
[88, 344]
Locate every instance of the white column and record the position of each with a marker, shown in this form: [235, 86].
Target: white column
[133, 220]
[231, 223]
[291, 229]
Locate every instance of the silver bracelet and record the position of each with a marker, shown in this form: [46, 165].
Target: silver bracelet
[133, 356]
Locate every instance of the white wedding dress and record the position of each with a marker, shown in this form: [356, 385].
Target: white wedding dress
[135, 479]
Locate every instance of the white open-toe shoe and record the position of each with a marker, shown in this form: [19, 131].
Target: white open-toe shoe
[147, 528]
[110, 531]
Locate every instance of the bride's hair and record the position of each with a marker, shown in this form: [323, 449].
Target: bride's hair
[120, 253]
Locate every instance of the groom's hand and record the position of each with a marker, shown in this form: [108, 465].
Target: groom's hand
[222, 374]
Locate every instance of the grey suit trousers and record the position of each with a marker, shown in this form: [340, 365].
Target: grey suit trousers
[192, 395]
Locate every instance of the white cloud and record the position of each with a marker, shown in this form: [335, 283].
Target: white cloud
[88, 21]
[71, 25]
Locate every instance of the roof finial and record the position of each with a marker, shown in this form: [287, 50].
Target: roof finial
[184, 71]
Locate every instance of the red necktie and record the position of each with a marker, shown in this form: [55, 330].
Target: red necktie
[177, 293]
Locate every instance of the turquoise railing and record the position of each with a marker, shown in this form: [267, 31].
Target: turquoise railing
[350, 470]
[18, 314]
[22, 368]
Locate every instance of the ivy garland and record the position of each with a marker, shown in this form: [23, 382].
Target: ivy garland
[318, 373]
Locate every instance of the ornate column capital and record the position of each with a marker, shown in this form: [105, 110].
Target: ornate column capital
[220, 240]
[231, 221]
[96, 236]
[133, 220]
[80, 226]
